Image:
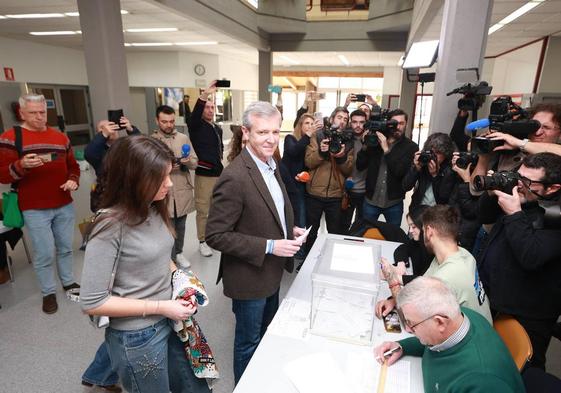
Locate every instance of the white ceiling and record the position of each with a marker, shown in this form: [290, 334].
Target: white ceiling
[541, 21]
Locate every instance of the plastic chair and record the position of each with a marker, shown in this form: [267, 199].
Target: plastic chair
[515, 338]
[374, 233]
[4, 229]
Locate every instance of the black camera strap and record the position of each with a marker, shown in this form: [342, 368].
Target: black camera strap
[18, 143]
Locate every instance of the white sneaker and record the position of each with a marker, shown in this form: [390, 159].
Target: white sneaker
[205, 250]
[182, 262]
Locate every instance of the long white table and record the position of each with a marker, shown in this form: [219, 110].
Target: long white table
[265, 373]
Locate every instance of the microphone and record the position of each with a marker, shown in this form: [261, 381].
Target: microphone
[520, 128]
[474, 125]
[185, 150]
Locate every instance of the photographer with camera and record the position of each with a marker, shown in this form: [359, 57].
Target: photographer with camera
[540, 134]
[519, 265]
[329, 158]
[356, 184]
[431, 174]
[387, 156]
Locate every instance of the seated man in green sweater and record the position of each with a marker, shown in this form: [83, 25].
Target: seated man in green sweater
[461, 351]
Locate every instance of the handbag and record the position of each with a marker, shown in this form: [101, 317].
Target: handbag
[10, 206]
[345, 200]
[102, 321]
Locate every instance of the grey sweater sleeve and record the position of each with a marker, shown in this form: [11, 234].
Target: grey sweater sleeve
[100, 256]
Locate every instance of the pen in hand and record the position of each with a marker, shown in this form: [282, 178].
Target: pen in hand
[389, 353]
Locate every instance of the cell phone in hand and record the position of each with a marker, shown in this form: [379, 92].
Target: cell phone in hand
[391, 322]
[360, 97]
[47, 157]
[114, 116]
[222, 83]
[318, 116]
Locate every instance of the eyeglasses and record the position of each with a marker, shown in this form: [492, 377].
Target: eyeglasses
[547, 128]
[412, 326]
[528, 182]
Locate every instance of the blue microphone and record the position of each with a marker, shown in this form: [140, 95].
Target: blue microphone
[185, 150]
[349, 184]
[474, 125]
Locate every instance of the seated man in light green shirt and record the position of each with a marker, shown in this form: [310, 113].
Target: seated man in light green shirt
[452, 264]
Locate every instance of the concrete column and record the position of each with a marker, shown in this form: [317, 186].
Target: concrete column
[549, 80]
[463, 38]
[407, 100]
[106, 63]
[265, 74]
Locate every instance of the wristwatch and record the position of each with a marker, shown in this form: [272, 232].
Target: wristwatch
[523, 145]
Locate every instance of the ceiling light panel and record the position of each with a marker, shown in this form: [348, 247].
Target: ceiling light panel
[197, 43]
[35, 16]
[152, 30]
[514, 15]
[45, 33]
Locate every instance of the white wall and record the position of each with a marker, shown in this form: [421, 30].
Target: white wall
[243, 75]
[392, 80]
[42, 63]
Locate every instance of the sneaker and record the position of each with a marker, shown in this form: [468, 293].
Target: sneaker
[71, 286]
[49, 304]
[107, 388]
[182, 262]
[205, 250]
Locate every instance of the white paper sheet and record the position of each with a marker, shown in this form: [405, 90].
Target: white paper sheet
[292, 319]
[352, 258]
[363, 371]
[317, 373]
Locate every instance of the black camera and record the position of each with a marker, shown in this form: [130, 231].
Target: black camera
[466, 158]
[379, 122]
[427, 156]
[501, 118]
[337, 138]
[503, 181]
[474, 95]
[482, 145]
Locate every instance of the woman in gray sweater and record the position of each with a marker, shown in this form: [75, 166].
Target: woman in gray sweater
[135, 229]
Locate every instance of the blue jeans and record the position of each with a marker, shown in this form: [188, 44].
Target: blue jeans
[152, 360]
[392, 214]
[252, 318]
[100, 372]
[51, 230]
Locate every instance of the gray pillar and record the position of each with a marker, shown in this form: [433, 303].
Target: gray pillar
[265, 74]
[463, 38]
[106, 63]
[407, 100]
[549, 80]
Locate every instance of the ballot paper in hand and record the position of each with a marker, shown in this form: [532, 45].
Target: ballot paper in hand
[317, 373]
[302, 238]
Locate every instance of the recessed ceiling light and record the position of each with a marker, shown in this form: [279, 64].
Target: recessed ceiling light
[151, 44]
[34, 16]
[124, 12]
[65, 32]
[289, 59]
[343, 60]
[194, 43]
[151, 29]
[514, 15]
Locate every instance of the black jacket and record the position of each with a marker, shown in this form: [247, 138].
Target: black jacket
[468, 207]
[442, 184]
[398, 161]
[458, 133]
[520, 265]
[207, 142]
[295, 153]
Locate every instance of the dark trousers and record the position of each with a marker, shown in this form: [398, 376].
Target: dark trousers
[179, 225]
[540, 332]
[356, 202]
[315, 207]
[253, 316]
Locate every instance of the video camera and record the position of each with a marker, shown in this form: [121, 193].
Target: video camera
[337, 138]
[474, 95]
[380, 121]
[505, 116]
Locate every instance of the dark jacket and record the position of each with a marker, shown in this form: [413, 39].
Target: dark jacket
[458, 133]
[242, 217]
[207, 142]
[295, 153]
[519, 266]
[468, 207]
[442, 184]
[398, 160]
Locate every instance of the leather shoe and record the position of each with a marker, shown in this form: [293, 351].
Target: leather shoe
[4, 275]
[49, 304]
[107, 388]
[71, 286]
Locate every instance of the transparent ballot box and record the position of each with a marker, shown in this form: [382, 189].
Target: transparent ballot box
[344, 290]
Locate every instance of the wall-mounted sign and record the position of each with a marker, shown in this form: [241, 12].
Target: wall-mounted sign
[50, 103]
[9, 74]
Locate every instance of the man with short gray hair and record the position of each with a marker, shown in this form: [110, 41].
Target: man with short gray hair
[461, 351]
[40, 161]
[251, 222]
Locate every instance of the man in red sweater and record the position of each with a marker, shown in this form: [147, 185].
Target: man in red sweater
[45, 174]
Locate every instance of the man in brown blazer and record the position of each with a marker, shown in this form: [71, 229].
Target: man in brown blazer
[251, 222]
